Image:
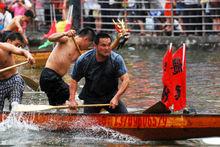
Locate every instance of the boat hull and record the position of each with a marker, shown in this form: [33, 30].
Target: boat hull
[141, 126]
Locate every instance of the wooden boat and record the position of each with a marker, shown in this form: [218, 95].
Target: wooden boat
[39, 56]
[141, 126]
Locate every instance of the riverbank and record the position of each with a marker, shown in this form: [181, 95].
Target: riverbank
[211, 42]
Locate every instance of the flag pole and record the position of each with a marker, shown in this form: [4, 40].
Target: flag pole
[183, 58]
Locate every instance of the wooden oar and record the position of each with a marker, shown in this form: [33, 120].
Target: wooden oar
[31, 83]
[30, 108]
[13, 66]
[77, 46]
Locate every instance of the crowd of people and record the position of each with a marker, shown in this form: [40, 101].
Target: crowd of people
[146, 17]
[157, 17]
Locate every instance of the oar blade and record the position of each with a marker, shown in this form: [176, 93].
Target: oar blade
[31, 108]
[31, 83]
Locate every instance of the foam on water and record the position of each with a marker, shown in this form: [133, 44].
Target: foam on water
[96, 133]
[211, 140]
[87, 130]
[15, 121]
[15, 130]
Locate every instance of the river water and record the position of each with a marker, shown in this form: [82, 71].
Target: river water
[144, 65]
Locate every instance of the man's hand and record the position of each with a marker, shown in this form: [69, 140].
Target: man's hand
[72, 104]
[30, 58]
[70, 33]
[114, 103]
[14, 105]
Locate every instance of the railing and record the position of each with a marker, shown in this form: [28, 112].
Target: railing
[144, 19]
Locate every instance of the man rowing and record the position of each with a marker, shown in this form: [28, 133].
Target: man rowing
[11, 83]
[66, 51]
[101, 68]
[19, 24]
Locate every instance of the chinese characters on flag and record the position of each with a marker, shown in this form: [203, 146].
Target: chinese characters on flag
[167, 95]
[174, 78]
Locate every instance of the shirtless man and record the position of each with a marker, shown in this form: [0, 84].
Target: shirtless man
[59, 61]
[11, 83]
[19, 24]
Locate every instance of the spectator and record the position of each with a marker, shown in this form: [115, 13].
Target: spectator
[179, 12]
[19, 7]
[168, 13]
[5, 17]
[105, 13]
[215, 12]
[92, 14]
[208, 19]
[134, 9]
[192, 23]
[76, 13]
[39, 9]
[156, 12]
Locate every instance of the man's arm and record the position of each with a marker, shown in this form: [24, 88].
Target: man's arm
[61, 36]
[17, 21]
[122, 88]
[116, 42]
[15, 50]
[72, 88]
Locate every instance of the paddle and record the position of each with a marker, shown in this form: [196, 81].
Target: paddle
[77, 46]
[29, 108]
[13, 66]
[157, 108]
[31, 83]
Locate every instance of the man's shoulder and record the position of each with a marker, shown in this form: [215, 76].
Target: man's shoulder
[87, 55]
[115, 56]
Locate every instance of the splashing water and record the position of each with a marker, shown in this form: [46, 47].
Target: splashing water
[15, 121]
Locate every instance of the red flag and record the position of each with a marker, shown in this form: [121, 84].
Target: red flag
[69, 19]
[179, 78]
[167, 95]
[52, 30]
[67, 27]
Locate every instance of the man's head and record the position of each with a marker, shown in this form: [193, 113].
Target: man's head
[15, 39]
[87, 34]
[29, 15]
[103, 44]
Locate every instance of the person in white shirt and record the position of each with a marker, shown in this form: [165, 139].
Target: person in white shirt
[5, 16]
